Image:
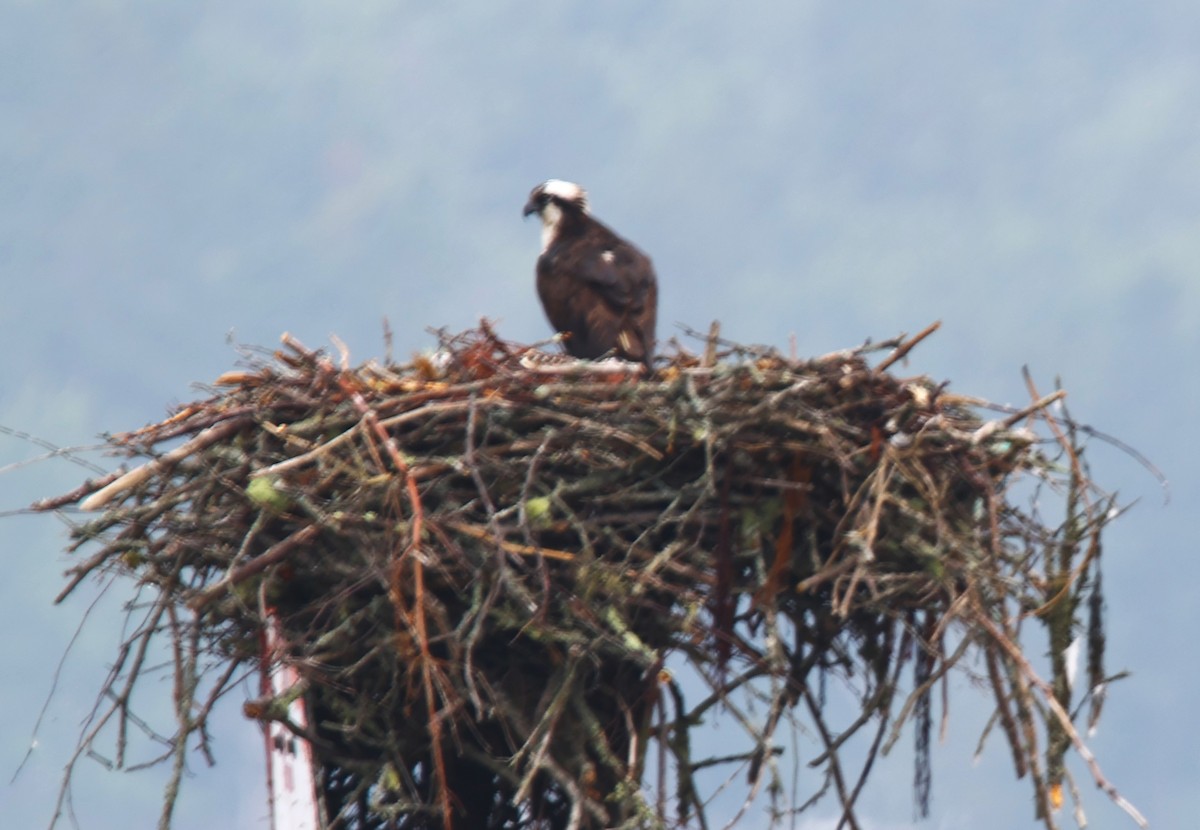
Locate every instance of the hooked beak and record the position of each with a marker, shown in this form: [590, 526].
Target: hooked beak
[530, 207]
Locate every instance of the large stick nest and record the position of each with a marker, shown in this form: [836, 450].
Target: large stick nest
[514, 586]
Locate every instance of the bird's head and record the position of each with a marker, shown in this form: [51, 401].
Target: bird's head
[550, 198]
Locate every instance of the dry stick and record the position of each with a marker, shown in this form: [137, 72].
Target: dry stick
[80, 572]
[494, 535]
[325, 447]
[878, 479]
[122, 700]
[749, 757]
[190, 421]
[710, 347]
[1052, 422]
[485, 535]
[579, 799]
[679, 745]
[606, 432]
[89, 486]
[523, 513]
[719, 695]
[915, 695]
[869, 710]
[1092, 432]
[543, 730]
[259, 563]
[835, 766]
[215, 693]
[84, 745]
[905, 348]
[418, 521]
[944, 731]
[89, 736]
[249, 538]
[886, 705]
[661, 755]
[1007, 722]
[1014, 654]
[581, 368]
[827, 572]
[1025, 705]
[1036, 406]
[1077, 471]
[469, 460]
[141, 474]
[185, 693]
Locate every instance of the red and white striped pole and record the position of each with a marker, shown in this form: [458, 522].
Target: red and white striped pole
[291, 781]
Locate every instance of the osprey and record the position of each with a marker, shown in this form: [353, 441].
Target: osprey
[596, 288]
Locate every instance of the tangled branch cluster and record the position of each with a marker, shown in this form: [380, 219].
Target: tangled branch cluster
[493, 570]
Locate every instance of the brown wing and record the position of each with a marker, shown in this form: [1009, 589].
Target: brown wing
[605, 296]
[626, 315]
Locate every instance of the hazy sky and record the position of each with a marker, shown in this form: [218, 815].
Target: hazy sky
[1028, 173]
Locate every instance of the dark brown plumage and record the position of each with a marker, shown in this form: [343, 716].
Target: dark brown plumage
[596, 288]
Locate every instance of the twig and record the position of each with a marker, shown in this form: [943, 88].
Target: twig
[277, 552]
[88, 486]
[1018, 658]
[143, 473]
[1036, 406]
[907, 347]
[486, 535]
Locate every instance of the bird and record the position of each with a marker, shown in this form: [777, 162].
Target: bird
[597, 289]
